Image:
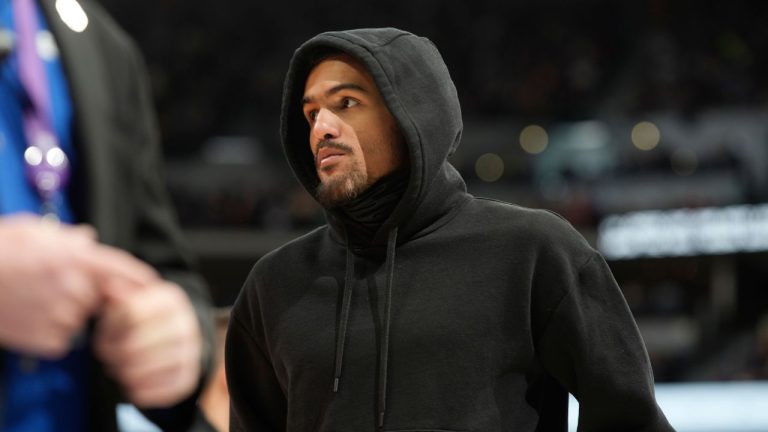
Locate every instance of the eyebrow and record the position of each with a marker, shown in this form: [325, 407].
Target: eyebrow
[335, 89]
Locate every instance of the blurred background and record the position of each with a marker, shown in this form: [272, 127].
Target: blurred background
[644, 123]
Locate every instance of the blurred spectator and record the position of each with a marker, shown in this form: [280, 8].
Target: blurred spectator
[88, 316]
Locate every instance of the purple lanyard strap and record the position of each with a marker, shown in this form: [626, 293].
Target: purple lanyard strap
[46, 164]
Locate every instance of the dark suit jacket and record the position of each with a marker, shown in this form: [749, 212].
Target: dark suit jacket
[118, 186]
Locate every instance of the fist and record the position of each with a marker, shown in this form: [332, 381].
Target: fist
[49, 282]
[150, 341]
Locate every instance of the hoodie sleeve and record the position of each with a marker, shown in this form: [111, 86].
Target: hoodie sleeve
[257, 402]
[592, 345]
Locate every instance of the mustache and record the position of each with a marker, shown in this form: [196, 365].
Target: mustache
[332, 144]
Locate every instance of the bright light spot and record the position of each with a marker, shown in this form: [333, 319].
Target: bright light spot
[489, 167]
[684, 162]
[534, 139]
[46, 46]
[33, 155]
[684, 232]
[72, 14]
[645, 136]
[55, 157]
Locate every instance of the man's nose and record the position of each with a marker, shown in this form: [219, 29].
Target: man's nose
[326, 125]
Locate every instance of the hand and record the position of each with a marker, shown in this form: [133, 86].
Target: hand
[49, 277]
[150, 341]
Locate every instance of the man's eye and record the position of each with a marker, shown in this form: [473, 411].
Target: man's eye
[312, 115]
[349, 102]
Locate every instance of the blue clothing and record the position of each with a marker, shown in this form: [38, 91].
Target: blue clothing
[39, 395]
[16, 193]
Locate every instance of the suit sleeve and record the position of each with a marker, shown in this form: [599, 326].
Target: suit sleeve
[158, 239]
[592, 346]
[257, 401]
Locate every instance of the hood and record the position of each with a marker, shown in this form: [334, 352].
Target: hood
[418, 90]
[414, 83]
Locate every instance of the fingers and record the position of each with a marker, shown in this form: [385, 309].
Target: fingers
[144, 320]
[55, 245]
[126, 339]
[82, 292]
[41, 314]
[141, 311]
[150, 341]
[51, 344]
[138, 366]
[107, 262]
[80, 241]
[67, 314]
[52, 338]
[119, 291]
[159, 376]
[76, 245]
[52, 280]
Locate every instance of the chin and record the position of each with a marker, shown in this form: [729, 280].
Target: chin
[339, 189]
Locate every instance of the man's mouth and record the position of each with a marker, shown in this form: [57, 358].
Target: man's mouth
[328, 154]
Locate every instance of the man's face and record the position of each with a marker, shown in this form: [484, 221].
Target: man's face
[353, 136]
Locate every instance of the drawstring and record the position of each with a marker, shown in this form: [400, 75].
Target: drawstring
[384, 352]
[345, 306]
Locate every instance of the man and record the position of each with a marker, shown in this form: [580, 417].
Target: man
[89, 315]
[420, 307]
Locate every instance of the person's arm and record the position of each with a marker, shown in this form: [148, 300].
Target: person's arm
[157, 240]
[592, 346]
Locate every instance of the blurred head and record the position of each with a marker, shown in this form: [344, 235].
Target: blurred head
[353, 136]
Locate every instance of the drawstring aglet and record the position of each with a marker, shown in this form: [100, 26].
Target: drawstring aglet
[381, 419]
[336, 385]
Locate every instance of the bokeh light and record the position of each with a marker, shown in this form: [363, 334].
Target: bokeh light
[645, 136]
[489, 167]
[534, 139]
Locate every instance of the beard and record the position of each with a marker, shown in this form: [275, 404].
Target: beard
[342, 188]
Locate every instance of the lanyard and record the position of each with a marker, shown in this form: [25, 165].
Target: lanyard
[46, 164]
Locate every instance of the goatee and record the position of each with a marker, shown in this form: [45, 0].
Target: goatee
[345, 187]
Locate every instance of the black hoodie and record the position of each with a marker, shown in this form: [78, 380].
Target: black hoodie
[457, 314]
